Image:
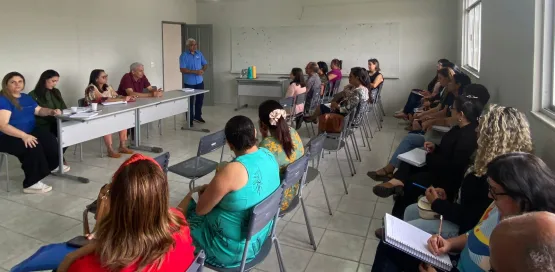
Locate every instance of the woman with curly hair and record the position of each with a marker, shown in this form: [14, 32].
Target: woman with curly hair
[502, 130]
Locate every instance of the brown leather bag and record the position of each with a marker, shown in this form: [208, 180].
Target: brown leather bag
[330, 123]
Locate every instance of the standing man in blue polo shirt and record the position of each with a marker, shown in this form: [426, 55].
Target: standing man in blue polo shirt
[192, 65]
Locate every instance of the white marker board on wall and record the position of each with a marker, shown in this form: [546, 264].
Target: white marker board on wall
[276, 50]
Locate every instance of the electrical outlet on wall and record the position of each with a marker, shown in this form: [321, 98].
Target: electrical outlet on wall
[152, 64]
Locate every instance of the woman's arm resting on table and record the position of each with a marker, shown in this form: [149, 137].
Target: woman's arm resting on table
[40, 111]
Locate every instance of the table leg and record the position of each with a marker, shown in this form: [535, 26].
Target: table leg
[189, 119]
[137, 145]
[60, 172]
[239, 106]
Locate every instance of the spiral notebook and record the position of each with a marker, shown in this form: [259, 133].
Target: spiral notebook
[413, 241]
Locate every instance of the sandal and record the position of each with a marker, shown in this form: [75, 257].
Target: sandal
[386, 190]
[113, 154]
[125, 150]
[379, 177]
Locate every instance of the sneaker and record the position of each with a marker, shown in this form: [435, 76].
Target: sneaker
[199, 120]
[38, 188]
[65, 169]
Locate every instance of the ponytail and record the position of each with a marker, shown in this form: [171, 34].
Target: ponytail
[284, 136]
[338, 63]
[272, 115]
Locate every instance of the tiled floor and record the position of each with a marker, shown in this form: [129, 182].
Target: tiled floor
[345, 240]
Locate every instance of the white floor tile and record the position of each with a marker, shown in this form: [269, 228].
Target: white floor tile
[341, 245]
[324, 263]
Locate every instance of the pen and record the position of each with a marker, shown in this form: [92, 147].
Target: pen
[419, 186]
[440, 224]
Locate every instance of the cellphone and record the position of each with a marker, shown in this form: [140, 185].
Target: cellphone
[78, 241]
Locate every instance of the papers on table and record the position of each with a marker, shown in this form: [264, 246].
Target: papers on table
[416, 157]
[113, 103]
[84, 115]
[328, 105]
[79, 110]
[188, 90]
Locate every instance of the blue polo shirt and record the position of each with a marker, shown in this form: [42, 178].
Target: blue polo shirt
[23, 119]
[192, 62]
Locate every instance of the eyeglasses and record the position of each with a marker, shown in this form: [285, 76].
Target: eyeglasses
[494, 194]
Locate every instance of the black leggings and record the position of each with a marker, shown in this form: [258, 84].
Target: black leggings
[37, 162]
[409, 174]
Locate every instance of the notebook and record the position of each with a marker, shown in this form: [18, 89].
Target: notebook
[418, 93]
[413, 241]
[441, 128]
[113, 103]
[416, 157]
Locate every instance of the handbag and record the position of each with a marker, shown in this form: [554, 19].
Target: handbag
[330, 123]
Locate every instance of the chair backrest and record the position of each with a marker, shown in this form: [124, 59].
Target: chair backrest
[211, 142]
[262, 214]
[198, 263]
[295, 172]
[335, 86]
[300, 99]
[346, 124]
[164, 161]
[287, 102]
[315, 146]
[81, 102]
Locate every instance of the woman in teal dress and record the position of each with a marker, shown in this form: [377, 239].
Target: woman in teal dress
[282, 140]
[219, 220]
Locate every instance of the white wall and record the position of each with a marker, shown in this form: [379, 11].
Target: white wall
[77, 36]
[428, 33]
[507, 65]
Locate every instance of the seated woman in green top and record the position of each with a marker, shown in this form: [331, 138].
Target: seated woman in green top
[47, 96]
[281, 139]
[218, 222]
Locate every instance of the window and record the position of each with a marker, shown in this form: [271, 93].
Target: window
[472, 35]
[547, 58]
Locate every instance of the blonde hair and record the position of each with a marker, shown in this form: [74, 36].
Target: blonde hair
[4, 91]
[139, 227]
[502, 130]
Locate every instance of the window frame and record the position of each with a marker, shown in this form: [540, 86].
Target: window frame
[467, 9]
[547, 90]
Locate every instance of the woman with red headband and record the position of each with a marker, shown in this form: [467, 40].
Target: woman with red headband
[139, 232]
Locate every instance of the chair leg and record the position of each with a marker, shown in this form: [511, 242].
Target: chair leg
[308, 130]
[308, 227]
[279, 257]
[192, 184]
[160, 126]
[75, 150]
[148, 130]
[378, 123]
[367, 118]
[350, 158]
[174, 122]
[80, 152]
[341, 172]
[355, 144]
[101, 154]
[325, 192]
[381, 106]
[313, 131]
[3, 158]
[86, 229]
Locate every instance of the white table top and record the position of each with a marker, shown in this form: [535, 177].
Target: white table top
[140, 103]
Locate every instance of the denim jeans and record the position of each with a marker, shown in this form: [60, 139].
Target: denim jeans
[412, 102]
[448, 230]
[410, 142]
[195, 102]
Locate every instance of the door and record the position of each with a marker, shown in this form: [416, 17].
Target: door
[203, 35]
[171, 50]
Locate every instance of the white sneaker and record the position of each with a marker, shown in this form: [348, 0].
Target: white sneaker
[66, 169]
[38, 188]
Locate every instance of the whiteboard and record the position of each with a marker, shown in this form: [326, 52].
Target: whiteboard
[276, 50]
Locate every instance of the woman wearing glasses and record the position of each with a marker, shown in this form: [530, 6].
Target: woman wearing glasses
[518, 183]
[99, 91]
